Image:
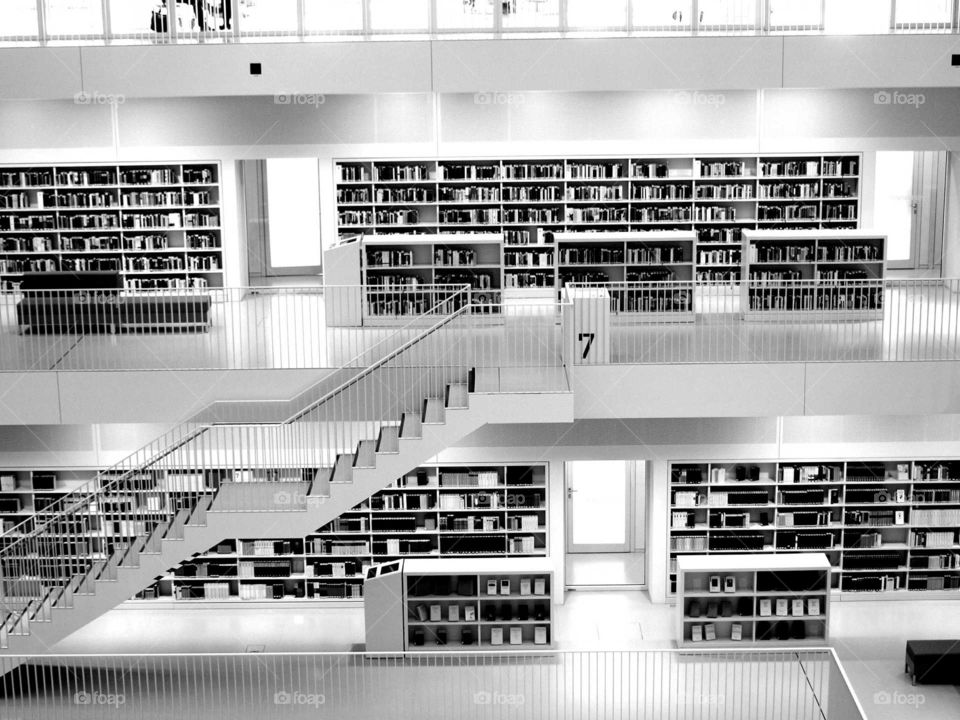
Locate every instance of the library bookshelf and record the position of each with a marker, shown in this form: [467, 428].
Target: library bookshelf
[829, 273]
[157, 224]
[481, 603]
[781, 600]
[888, 527]
[529, 199]
[444, 511]
[618, 261]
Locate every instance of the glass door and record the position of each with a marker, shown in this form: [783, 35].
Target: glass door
[599, 507]
[897, 206]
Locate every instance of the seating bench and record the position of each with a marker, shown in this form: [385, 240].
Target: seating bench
[164, 312]
[933, 661]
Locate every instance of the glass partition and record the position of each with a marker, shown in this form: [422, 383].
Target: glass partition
[133, 18]
[399, 15]
[531, 14]
[858, 17]
[602, 14]
[268, 16]
[718, 15]
[18, 19]
[333, 16]
[924, 14]
[465, 14]
[74, 18]
[796, 14]
[663, 15]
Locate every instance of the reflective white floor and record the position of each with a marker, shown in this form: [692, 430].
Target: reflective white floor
[869, 637]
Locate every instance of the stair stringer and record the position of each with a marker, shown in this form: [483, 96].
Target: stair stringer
[485, 408]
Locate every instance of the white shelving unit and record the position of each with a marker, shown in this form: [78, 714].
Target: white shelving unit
[765, 600]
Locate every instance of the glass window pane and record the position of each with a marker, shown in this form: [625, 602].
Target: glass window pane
[924, 12]
[662, 14]
[894, 202]
[728, 13]
[796, 13]
[387, 15]
[333, 15]
[459, 14]
[293, 206]
[70, 18]
[18, 18]
[531, 14]
[131, 17]
[858, 17]
[596, 13]
[268, 16]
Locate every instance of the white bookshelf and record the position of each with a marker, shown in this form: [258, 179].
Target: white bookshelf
[726, 600]
[889, 528]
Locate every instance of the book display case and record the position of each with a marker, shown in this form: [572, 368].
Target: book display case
[479, 604]
[158, 225]
[884, 526]
[527, 200]
[830, 264]
[434, 512]
[763, 600]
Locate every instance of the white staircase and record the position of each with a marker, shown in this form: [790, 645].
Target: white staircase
[276, 509]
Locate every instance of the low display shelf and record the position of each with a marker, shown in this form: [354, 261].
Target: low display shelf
[764, 600]
[475, 604]
[444, 511]
[885, 526]
[157, 224]
[813, 273]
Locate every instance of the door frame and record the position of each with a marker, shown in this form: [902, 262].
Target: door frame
[629, 504]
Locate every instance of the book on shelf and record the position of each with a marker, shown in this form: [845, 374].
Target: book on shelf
[736, 632]
[516, 635]
[540, 635]
[696, 633]
[709, 632]
[496, 636]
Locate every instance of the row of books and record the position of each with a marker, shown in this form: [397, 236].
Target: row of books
[532, 171]
[397, 173]
[398, 217]
[946, 561]
[469, 194]
[780, 253]
[513, 258]
[718, 257]
[356, 196]
[936, 518]
[788, 212]
[449, 501]
[933, 582]
[341, 547]
[790, 168]
[809, 191]
[725, 192]
[476, 216]
[711, 213]
[848, 253]
[267, 548]
[484, 479]
[670, 213]
[932, 538]
[529, 280]
[548, 216]
[595, 192]
[534, 193]
[870, 583]
[664, 192]
[397, 195]
[469, 171]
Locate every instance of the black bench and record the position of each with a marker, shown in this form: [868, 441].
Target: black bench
[65, 302]
[935, 662]
[69, 302]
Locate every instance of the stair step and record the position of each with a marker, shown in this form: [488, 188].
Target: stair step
[410, 428]
[132, 557]
[366, 456]
[320, 487]
[389, 442]
[198, 516]
[457, 395]
[175, 531]
[433, 412]
[90, 579]
[153, 545]
[486, 380]
[343, 470]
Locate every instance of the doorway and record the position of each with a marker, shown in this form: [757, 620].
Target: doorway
[604, 523]
[282, 206]
[910, 207]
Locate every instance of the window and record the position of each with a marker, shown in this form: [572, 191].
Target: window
[131, 17]
[293, 206]
[18, 19]
[663, 14]
[589, 14]
[796, 14]
[894, 202]
[328, 16]
[720, 14]
[464, 14]
[924, 13]
[531, 14]
[393, 15]
[858, 17]
[74, 18]
[275, 16]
